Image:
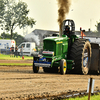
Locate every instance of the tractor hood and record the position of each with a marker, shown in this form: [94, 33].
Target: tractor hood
[56, 39]
[53, 46]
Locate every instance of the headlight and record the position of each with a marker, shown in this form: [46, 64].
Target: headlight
[53, 53]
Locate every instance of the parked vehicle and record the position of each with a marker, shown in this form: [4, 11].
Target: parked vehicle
[28, 48]
[5, 45]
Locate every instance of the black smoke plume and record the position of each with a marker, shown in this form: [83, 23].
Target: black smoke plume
[63, 10]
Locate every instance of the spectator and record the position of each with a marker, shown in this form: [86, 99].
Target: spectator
[16, 53]
[21, 51]
[12, 51]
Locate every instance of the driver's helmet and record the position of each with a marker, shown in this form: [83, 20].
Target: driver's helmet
[67, 28]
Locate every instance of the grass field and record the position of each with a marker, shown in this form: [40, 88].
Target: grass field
[7, 57]
[94, 97]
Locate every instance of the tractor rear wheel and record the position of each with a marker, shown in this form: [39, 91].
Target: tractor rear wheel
[81, 54]
[35, 68]
[63, 66]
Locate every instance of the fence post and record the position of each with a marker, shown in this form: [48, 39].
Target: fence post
[89, 94]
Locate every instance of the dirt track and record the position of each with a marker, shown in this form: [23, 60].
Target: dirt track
[16, 61]
[20, 83]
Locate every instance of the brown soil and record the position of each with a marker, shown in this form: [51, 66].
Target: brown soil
[20, 83]
[16, 61]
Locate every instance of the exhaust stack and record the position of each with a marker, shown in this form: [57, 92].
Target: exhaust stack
[63, 6]
[60, 31]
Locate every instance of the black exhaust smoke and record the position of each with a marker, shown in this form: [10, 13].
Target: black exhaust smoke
[63, 10]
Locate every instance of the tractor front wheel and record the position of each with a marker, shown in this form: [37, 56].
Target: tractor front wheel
[63, 66]
[35, 68]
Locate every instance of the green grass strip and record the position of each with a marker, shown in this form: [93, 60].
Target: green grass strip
[94, 97]
[7, 57]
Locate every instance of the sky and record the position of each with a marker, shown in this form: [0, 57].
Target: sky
[85, 14]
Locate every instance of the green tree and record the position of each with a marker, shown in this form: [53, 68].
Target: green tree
[18, 38]
[98, 26]
[5, 35]
[16, 14]
[2, 11]
[2, 8]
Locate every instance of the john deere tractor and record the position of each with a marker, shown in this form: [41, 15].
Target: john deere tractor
[67, 53]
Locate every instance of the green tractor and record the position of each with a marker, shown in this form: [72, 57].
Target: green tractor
[67, 54]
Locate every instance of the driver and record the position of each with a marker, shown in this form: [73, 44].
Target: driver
[67, 31]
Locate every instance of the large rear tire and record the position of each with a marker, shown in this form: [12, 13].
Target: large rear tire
[81, 54]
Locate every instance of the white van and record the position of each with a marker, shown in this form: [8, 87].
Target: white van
[5, 45]
[28, 48]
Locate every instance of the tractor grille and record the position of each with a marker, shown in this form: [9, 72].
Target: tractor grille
[49, 45]
[59, 51]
